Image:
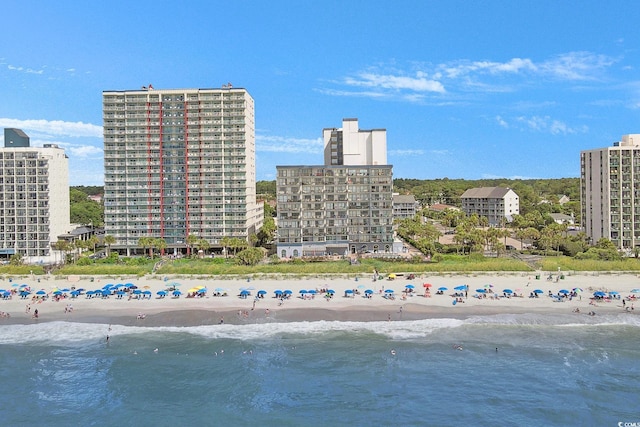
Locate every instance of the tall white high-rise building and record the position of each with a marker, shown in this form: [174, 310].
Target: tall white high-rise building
[34, 198]
[179, 162]
[352, 146]
[610, 192]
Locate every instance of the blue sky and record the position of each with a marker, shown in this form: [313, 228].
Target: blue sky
[465, 89]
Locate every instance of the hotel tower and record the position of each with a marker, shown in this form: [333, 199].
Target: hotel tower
[179, 162]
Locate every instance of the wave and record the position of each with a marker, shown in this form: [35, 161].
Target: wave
[65, 333]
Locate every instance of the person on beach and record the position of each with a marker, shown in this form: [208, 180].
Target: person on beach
[35, 314]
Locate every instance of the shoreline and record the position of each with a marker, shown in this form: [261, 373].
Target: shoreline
[210, 309]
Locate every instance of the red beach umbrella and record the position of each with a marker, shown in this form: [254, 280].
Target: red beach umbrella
[427, 285]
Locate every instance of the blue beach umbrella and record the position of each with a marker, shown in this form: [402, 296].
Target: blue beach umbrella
[303, 291]
[388, 291]
[312, 291]
[278, 292]
[41, 292]
[482, 291]
[635, 291]
[409, 286]
[262, 292]
[146, 293]
[538, 291]
[348, 291]
[563, 291]
[331, 291]
[120, 292]
[614, 293]
[137, 292]
[443, 288]
[288, 292]
[202, 291]
[599, 294]
[460, 288]
[507, 291]
[162, 293]
[368, 292]
[244, 293]
[176, 293]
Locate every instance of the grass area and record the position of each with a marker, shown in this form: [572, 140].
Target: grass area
[570, 264]
[223, 267]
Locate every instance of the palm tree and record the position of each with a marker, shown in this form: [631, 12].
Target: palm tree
[109, 240]
[203, 245]
[191, 240]
[146, 242]
[159, 243]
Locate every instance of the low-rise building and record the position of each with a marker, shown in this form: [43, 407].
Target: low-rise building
[497, 204]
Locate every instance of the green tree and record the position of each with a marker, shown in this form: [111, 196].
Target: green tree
[191, 241]
[250, 256]
[109, 240]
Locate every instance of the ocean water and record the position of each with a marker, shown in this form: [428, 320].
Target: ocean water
[559, 370]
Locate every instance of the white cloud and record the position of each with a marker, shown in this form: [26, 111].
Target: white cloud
[24, 70]
[281, 144]
[553, 126]
[385, 81]
[576, 65]
[54, 127]
[471, 76]
[502, 122]
[405, 153]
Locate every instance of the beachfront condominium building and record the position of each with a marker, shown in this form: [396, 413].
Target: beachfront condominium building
[352, 146]
[497, 204]
[342, 207]
[34, 198]
[179, 162]
[610, 193]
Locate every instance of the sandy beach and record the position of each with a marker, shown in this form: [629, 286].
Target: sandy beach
[380, 306]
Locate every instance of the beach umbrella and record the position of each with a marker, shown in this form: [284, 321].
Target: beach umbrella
[277, 292]
[106, 293]
[244, 293]
[348, 291]
[119, 292]
[410, 286]
[563, 291]
[313, 291]
[176, 293]
[635, 291]
[443, 288]
[262, 292]
[219, 289]
[130, 285]
[460, 288]
[57, 293]
[614, 293]
[388, 291]
[577, 289]
[482, 291]
[74, 294]
[303, 291]
[599, 294]
[41, 292]
[137, 291]
[538, 291]
[6, 294]
[108, 285]
[66, 290]
[507, 291]
[288, 292]
[162, 293]
[368, 292]
[331, 291]
[426, 285]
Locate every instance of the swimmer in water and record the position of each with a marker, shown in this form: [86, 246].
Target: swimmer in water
[393, 352]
